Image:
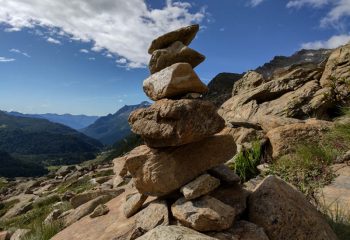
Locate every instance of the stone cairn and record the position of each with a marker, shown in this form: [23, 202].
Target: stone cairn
[183, 160]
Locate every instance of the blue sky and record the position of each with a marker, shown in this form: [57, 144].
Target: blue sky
[89, 57]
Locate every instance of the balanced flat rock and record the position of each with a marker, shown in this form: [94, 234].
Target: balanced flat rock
[175, 80]
[184, 35]
[158, 172]
[175, 53]
[176, 122]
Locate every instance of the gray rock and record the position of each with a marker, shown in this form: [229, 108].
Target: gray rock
[202, 185]
[204, 214]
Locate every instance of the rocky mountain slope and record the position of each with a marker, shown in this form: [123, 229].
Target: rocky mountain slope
[43, 142]
[271, 164]
[113, 127]
[76, 122]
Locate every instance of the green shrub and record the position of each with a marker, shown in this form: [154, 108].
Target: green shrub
[246, 162]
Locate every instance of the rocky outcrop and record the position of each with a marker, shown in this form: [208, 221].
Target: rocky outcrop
[158, 172]
[175, 80]
[176, 122]
[285, 213]
[295, 87]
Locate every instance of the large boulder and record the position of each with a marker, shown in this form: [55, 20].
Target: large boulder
[286, 139]
[175, 53]
[176, 122]
[204, 214]
[158, 172]
[174, 233]
[175, 80]
[20, 234]
[184, 35]
[285, 213]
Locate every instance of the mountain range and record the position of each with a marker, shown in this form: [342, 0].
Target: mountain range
[73, 121]
[113, 127]
[43, 142]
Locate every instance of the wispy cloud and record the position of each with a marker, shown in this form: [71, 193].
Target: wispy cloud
[123, 28]
[5, 59]
[255, 3]
[339, 9]
[84, 51]
[14, 50]
[332, 42]
[92, 58]
[53, 40]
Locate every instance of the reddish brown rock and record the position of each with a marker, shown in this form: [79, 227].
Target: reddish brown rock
[184, 35]
[158, 172]
[176, 122]
[175, 80]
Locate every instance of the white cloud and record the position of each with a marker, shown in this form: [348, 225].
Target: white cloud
[255, 3]
[339, 9]
[121, 61]
[332, 42]
[14, 50]
[301, 3]
[108, 54]
[5, 59]
[84, 50]
[92, 58]
[52, 40]
[123, 28]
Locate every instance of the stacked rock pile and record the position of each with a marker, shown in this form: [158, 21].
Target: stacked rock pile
[182, 154]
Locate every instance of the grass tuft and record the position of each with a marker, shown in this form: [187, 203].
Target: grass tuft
[246, 162]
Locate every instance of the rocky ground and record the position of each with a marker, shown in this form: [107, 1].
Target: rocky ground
[257, 156]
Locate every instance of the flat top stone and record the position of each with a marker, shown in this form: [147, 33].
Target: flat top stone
[184, 35]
